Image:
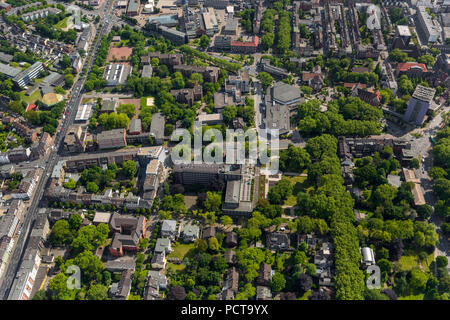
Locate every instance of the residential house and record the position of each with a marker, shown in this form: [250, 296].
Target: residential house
[231, 240]
[277, 241]
[208, 232]
[121, 290]
[264, 275]
[169, 229]
[191, 233]
[263, 293]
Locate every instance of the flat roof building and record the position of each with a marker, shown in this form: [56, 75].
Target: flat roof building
[116, 73]
[112, 139]
[25, 77]
[9, 71]
[429, 29]
[285, 94]
[157, 128]
[133, 8]
[83, 113]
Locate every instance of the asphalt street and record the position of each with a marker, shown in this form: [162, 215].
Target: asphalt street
[52, 159]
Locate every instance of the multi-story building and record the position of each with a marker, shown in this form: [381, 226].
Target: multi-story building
[115, 138]
[210, 22]
[245, 46]
[133, 8]
[25, 277]
[429, 29]
[25, 77]
[419, 104]
[74, 141]
[188, 95]
[170, 59]
[127, 233]
[210, 74]
[39, 14]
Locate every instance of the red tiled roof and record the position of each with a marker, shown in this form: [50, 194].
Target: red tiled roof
[405, 66]
[253, 43]
[31, 107]
[352, 84]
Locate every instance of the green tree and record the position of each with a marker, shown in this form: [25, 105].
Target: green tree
[129, 168]
[58, 288]
[213, 244]
[278, 282]
[69, 80]
[71, 184]
[204, 41]
[213, 201]
[229, 114]
[61, 233]
[226, 220]
[97, 292]
[266, 79]
[92, 187]
[75, 221]
[129, 109]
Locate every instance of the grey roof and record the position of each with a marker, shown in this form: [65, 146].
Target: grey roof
[233, 191]
[423, 93]
[135, 125]
[231, 25]
[133, 5]
[147, 71]
[162, 244]
[5, 57]
[278, 117]
[109, 105]
[157, 125]
[191, 230]
[120, 265]
[9, 71]
[169, 225]
[284, 92]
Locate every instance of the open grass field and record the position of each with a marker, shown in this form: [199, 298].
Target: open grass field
[411, 261]
[32, 98]
[181, 250]
[62, 24]
[175, 267]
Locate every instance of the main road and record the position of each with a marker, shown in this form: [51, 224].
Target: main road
[53, 157]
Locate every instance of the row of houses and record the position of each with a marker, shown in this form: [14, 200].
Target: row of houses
[25, 278]
[27, 40]
[20, 154]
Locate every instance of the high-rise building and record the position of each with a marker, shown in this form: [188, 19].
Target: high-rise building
[419, 104]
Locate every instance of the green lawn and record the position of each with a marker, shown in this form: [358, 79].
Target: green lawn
[32, 98]
[175, 267]
[409, 262]
[181, 250]
[62, 24]
[306, 295]
[299, 184]
[412, 297]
